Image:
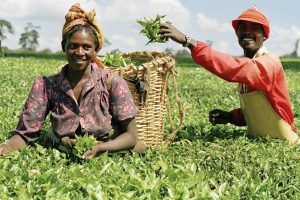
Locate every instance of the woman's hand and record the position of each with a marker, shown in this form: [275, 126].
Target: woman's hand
[97, 149]
[5, 148]
[16, 142]
[219, 117]
[126, 140]
[167, 30]
[68, 142]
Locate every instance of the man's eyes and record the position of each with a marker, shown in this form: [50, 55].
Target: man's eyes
[253, 27]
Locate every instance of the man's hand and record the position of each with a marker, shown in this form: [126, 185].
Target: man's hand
[219, 117]
[167, 30]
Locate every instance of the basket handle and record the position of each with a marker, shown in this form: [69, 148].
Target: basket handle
[173, 73]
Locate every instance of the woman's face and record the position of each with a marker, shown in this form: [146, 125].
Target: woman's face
[80, 50]
[250, 35]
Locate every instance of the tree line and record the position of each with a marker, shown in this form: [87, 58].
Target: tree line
[28, 39]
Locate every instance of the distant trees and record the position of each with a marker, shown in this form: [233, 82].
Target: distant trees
[29, 38]
[209, 42]
[170, 50]
[183, 53]
[294, 54]
[5, 27]
[115, 51]
[106, 42]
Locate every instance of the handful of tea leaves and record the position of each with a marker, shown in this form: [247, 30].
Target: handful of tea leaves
[151, 29]
[83, 144]
[116, 60]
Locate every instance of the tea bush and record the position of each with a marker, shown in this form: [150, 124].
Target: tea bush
[205, 161]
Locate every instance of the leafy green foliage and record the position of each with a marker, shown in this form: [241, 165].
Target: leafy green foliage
[83, 144]
[5, 26]
[29, 38]
[150, 28]
[115, 60]
[205, 161]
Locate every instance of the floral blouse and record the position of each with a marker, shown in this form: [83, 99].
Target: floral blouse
[96, 111]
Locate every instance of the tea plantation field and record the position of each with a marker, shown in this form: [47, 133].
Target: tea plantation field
[205, 161]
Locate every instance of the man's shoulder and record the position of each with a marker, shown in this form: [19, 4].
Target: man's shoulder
[269, 56]
[271, 62]
[273, 57]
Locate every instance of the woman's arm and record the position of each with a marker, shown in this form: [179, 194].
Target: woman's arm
[34, 112]
[31, 119]
[126, 140]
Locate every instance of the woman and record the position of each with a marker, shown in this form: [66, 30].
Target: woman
[82, 98]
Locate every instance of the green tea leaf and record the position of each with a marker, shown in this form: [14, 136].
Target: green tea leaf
[83, 144]
[116, 60]
[150, 28]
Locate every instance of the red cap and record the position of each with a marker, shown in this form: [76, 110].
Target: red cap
[253, 15]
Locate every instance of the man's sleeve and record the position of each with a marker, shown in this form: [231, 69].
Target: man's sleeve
[257, 73]
[237, 117]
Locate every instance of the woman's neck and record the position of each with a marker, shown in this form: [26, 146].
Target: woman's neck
[75, 77]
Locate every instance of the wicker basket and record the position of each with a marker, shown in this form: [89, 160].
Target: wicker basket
[152, 100]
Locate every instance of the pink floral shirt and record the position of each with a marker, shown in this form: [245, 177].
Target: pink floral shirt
[96, 111]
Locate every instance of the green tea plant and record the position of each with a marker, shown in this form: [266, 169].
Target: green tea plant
[83, 144]
[205, 161]
[150, 28]
[116, 60]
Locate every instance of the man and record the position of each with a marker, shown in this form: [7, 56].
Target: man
[265, 103]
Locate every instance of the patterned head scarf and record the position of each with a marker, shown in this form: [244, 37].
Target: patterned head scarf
[78, 16]
[253, 15]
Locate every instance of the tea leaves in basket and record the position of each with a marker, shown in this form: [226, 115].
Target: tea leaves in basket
[116, 60]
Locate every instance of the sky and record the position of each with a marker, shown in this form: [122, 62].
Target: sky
[201, 19]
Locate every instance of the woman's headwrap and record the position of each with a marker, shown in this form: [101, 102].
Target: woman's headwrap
[78, 16]
[253, 15]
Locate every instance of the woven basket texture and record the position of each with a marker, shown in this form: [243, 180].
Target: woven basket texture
[154, 72]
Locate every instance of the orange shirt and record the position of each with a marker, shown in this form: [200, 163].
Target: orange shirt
[264, 72]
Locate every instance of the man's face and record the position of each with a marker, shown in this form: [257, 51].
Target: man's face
[251, 36]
